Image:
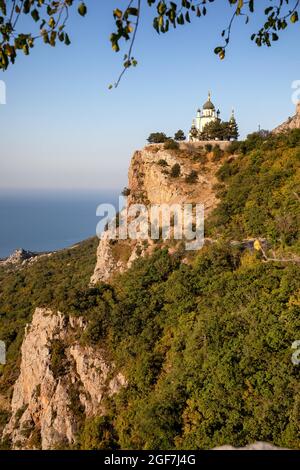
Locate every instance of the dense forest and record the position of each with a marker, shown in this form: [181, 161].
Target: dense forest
[205, 346]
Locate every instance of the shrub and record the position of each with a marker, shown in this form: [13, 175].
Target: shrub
[175, 170]
[171, 145]
[217, 153]
[36, 439]
[59, 362]
[202, 159]
[126, 192]
[98, 433]
[162, 162]
[192, 177]
[234, 147]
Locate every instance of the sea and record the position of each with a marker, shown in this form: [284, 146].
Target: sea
[43, 221]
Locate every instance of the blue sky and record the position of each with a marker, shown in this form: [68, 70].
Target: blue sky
[63, 129]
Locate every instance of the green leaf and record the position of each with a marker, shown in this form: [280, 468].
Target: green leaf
[133, 11]
[35, 15]
[67, 40]
[82, 9]
[51, 22]
[294, 17]
[3, 7]
[218, 50]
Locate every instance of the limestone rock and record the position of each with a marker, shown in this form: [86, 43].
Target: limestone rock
[47, 407]
[149, 182]
[291, 123]
[18, 256]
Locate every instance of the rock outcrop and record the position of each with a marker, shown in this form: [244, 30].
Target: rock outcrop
[60, 383]
[291, 123]
[150, 182]
[19, 256]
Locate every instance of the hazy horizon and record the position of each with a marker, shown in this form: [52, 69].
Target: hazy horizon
[49, 220]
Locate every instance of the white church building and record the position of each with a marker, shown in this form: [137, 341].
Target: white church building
[205, 116]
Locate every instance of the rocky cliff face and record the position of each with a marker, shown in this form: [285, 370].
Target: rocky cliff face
[291, 123]
[150, 182]
[18, 256]
[60, 383]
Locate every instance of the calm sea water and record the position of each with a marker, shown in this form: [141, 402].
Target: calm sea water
[47, 221]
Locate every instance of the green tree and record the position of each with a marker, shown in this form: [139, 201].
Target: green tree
[220, 130]
[179, 135]
[213, 130]
[157, 138]
[233, 129]
[194, 132]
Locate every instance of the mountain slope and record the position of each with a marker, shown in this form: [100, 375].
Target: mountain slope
[204, 348]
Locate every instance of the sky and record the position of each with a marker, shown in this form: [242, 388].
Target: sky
[62, 128]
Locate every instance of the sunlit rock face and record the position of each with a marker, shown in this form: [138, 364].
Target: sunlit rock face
[291, 123]
[47, 404]
[149, 182]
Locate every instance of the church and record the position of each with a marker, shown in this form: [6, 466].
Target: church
[204, 129]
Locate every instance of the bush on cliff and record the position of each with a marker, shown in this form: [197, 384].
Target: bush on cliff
[157, 138]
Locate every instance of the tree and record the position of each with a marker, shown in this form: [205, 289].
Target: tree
[98, 433]
[213, 131]
[179, 135]
[175, 170]
[194, 134]
[157, 138]
[218, 130]
[233, 129]
[51, 18]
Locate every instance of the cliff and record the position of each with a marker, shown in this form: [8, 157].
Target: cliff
[150, 182]
[60, 383]
[18, 256]
[290, 123]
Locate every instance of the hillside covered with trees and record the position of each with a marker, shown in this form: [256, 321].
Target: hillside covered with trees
[205, 345]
